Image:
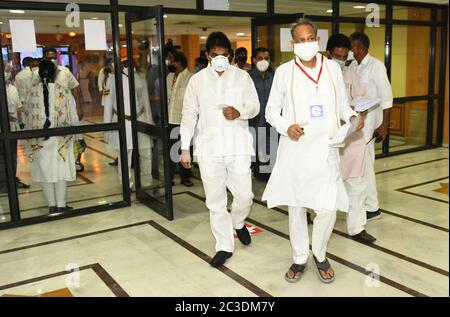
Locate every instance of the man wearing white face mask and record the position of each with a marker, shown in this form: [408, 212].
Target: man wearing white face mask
[307, 102]
[262, 76]
[218, 103]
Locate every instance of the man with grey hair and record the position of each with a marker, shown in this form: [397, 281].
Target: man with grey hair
[307, 102]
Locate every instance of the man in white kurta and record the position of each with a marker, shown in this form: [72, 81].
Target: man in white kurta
[352, 156]
[218, 103]
[307, 102]
[143, 114]
[373, 74]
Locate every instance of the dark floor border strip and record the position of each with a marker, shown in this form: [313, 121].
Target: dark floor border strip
[228, 272]
[73, 237]
[109, 281]
[427, 224]
[96, 267]
[412, 165]
[376, 247]
[100, 152]
[405, 191]
[332, 256]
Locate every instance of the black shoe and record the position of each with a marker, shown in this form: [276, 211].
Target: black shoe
[244, 236]
[53, 209]
[187, 182]
[19, 184]
[373, 215]
[63, 209]
[115, 162]
[219, 259]
[364, 237]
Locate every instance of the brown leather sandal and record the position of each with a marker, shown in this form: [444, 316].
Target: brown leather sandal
[297, 272]
[324, 270]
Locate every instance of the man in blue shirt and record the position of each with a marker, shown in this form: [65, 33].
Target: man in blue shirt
[262, 76]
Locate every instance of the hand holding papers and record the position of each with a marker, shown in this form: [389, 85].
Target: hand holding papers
[344, 132]
[363, 104]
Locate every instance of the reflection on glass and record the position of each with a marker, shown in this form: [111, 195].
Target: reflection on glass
[152, 166]
[308, 7]
[408, 127]
[66, 47]
[361, 10]
[187, 4]
[248, 5]
[4, 200]
[410, 57]
[411, 13]
[74, 176]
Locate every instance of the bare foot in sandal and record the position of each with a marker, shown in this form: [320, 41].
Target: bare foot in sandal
[295, 272]
[324, 271]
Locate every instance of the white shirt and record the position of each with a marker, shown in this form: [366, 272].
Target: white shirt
[202, 114]
[372, 73]
[176, 88]
[23, 82]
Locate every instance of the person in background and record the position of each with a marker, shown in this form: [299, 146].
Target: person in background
[241, 57]
[201, 62]
[373, 74]
[352, 160]
[15, 109]
[217, 105]
[177, 81]
[262, 76]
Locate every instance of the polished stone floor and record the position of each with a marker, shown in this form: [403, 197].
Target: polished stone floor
[136, 252]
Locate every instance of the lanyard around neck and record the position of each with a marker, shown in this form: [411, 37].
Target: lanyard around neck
[307, 75]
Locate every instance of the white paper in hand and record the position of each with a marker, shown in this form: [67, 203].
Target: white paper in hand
[344, 132]
[364, 104]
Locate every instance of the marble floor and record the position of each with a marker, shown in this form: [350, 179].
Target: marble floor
[136, 252]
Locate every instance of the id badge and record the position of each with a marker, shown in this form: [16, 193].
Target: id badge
[316, 112]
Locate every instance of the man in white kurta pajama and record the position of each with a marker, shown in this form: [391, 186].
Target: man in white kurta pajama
[218, 102]
[307, 102]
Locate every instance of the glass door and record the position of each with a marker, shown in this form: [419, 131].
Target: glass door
[148, 105]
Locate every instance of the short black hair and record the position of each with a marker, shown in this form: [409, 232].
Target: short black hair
[261, 50]
[338, 40]
[27, 61]
[360, 37]
[217, 39]
[241, 51]
[202, 60]
[49, 49]
[179, 57]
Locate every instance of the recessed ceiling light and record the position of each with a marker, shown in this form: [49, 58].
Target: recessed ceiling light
[203, 37]
[240, 34]
[124, 45]
[1, 23]
[330, 11]
[72, 34]
[359, 7]
[120, 25]
[16, 11]
[94, 18]
[165, 16]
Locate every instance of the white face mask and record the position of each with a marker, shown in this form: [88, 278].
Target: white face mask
[306, 51]
[350, 56]
[341, 63]
[262, 66]
[220, 63]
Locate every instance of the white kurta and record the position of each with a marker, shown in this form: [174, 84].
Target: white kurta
[14, 104]
[306, 172]
[203, 119]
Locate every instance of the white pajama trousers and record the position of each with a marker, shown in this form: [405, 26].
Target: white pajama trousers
[55, 193]
[232, 172]
[299, 236]
[371, 196]
[356, 216]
